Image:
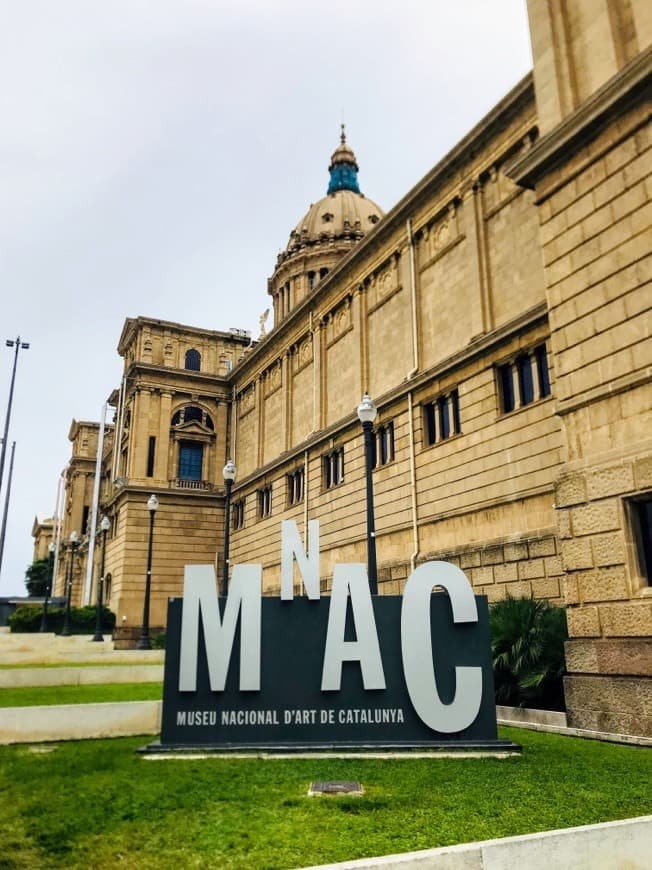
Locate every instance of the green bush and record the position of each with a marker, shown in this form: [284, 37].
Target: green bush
[158, 641]
[27, 619]
[527, 648]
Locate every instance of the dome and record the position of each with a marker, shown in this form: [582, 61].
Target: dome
[325, 234]
[343, 214]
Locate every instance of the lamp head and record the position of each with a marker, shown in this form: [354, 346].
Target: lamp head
[367, 410]
[229, 470]
[152, 503]
[51, 547]
[105, 524]
[74, 538]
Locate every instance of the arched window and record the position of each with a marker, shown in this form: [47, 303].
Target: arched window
[192, 412]
[193, 360]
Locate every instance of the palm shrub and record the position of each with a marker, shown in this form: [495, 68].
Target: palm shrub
[527, 649]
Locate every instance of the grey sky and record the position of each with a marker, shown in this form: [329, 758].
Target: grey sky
[155, 155]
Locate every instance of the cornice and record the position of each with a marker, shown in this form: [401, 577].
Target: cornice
[133, 324]
[585, 122]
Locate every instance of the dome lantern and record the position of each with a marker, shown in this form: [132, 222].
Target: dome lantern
[343, 168]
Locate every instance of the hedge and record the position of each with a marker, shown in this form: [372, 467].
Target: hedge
[27, 619]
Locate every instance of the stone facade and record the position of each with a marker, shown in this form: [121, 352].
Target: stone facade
[590, 172]
[499, 315]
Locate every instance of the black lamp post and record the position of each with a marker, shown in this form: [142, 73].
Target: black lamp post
[19, 345]
[48, 587]
[229, 476]
[144, 641]
[105, 525]
[367, 414]
[74, 542]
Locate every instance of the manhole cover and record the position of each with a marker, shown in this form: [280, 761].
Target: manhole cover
[335, 787]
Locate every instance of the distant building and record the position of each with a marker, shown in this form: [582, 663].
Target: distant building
[499, 315]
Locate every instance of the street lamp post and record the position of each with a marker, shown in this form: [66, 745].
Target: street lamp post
[74, 541]
[105, 525]
[144, 641]
[19, 345]
[229, 476]
[367, 414]
[48, 587]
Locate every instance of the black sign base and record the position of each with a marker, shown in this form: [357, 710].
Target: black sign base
[433, 748]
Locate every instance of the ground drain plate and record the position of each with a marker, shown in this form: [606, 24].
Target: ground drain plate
[335, 787]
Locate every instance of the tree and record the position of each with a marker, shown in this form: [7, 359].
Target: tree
[37, 577]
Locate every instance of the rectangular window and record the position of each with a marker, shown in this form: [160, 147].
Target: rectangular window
[441, 418]
[506, 385]
[264, 502]
[429, 423]
[642, 522]
[237, 514]
[190, 460]
[384, 445]
[542, 370]
[296, 481]
[528, 388]
[525, 379]
[85, 517]
[333, 464]
[151, 452]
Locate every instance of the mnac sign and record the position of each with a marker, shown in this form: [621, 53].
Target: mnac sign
[349, 670]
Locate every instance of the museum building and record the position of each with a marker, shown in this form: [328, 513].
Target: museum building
[499, 316]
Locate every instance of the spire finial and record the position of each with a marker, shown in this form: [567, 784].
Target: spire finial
[343, 134]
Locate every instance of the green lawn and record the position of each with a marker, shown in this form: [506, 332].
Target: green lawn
[94, 804]
[30, 696]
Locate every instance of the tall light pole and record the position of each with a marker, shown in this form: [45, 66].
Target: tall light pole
[19, 345]
[229, 476]
[144, 641]
[48, 587]
[74, 542]
[105, 525]
[367, 414]
[5, 513]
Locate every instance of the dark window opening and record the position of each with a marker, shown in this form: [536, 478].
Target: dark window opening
[190, 460]
[444, 417]
[296, 482]
[151, 453]
[506, 388]
[86, 512]
[429, 422]
[192, 413]
[265, 502]
[441, 418]
[237, 514]
[333, 464]
[542, 370]
[525, 379]
[383, 445]
[522, 370]
[193, 360]
[642, 515]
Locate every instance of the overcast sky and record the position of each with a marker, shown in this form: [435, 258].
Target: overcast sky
[155, 155]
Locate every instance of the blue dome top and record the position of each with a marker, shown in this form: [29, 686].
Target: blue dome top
[343, 169]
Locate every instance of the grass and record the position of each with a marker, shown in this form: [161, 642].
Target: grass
[93, 804]
[30, 696]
